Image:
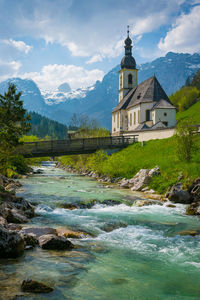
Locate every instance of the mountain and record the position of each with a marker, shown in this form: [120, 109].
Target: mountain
[31, 94]
[98, 101]
[42, 126]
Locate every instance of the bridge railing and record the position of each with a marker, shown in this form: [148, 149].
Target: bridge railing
[73, 145]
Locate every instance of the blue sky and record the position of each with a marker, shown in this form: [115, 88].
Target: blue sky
[78, 41]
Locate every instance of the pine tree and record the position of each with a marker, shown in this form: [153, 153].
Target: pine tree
[13, 118]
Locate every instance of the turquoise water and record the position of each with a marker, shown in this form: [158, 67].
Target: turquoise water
[143, 257]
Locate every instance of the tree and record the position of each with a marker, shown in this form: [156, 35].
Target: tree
[185, 134]
[196, 80]
[13, 118]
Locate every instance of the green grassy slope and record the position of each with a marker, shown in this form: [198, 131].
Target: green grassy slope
[192, 112]
[162, 153]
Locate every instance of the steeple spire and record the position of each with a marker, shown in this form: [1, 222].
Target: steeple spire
[128, 61]
[127, 30]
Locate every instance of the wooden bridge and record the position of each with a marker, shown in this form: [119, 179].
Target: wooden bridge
[74, 146]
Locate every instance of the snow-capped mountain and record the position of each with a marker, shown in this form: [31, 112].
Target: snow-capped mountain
[98, 101]
[57, 96]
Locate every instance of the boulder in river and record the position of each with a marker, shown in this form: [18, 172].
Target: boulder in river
[11, 243]
[54, 242]
[38, 231]
[178, 195]
[111, 202]
[16, 216]
[194, 190]
[146, 202]
[33, 286]
[67, 233]
[30, 239]
[189, 232]
[193, 209]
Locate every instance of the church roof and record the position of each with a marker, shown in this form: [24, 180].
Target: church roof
[149, 90]
[163, 104]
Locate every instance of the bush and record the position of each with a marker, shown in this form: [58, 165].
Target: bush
[185, 97]
[185, 139]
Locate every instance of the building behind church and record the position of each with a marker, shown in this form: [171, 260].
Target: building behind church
[145, 109]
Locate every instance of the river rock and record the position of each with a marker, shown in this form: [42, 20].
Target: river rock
[33, 286]
[189, 232]
[140, 180]
[16, 216]
[11, 243]
[67, 233]
[54, 242]
[38, 171]
[124, 183]
[193, 209]
[38, 231]
[30, 239]
[178, 195]
[111, 202]
[194, 190]
[3, 222]
[171, 205]
[140, 203]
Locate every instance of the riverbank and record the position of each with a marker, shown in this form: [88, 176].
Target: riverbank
[129, 161]
[141, 182]
[126, 245]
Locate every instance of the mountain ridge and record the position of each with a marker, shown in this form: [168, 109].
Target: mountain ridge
[97, 101]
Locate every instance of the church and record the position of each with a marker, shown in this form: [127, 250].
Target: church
[143, 107]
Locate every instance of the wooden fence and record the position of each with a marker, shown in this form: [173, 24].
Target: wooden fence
[73, 146]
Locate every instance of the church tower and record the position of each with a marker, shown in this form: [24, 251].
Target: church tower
[128, 73]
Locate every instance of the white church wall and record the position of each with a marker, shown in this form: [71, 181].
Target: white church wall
[144, 107]
[146, 135]
[133, 117]
[165, 115]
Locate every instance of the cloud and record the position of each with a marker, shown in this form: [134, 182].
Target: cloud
[9, 69]
[184, 34]
[19, 45]
[87, 28]
[149, 23]
[94, 59]
[51, 76]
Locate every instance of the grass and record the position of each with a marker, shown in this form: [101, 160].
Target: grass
[127, 162]
[193, 113]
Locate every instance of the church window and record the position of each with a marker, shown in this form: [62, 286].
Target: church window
[118, 120]
[148, 115]
[130, 79]
[114, 117]
[130, 119]
[120, 82]
[138, 116]
[165, 114]
[134, 119]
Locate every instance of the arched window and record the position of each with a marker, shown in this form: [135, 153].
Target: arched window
[148, 115]
[130, 79]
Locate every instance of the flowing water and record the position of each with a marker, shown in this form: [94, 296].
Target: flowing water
[134, 252]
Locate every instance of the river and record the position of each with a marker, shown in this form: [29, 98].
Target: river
[143, 258]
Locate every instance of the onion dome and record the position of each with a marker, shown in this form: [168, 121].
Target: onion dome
[128, 62]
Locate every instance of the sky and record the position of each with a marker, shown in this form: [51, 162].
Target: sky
[79, 41]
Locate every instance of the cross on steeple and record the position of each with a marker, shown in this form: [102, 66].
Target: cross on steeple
[127, 30]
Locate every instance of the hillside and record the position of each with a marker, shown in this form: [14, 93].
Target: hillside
[193, 112]
[42, 126]
[99, 100]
